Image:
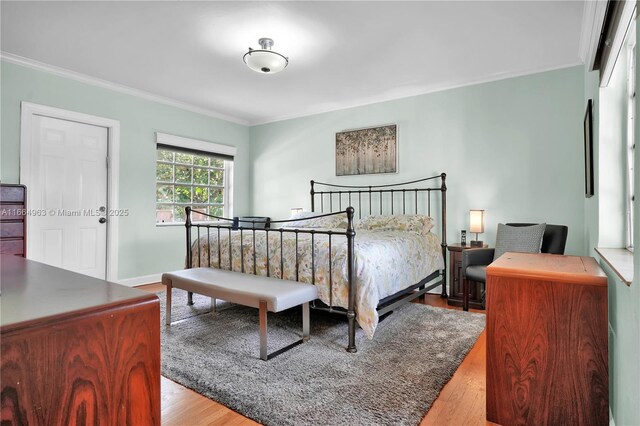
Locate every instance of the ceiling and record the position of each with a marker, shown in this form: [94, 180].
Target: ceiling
[341, 54]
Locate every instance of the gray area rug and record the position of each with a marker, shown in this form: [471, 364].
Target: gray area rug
[391, 380]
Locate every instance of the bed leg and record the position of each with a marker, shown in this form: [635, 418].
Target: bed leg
[424, 295]
[444, 294]
[351, 316]
[189, 298]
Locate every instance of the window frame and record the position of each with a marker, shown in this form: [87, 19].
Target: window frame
[630, 144]
[197, 147]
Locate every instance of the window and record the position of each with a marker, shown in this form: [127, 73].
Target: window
[191, 177]
[630, 145]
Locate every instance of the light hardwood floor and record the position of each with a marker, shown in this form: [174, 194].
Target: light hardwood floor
[461, 402]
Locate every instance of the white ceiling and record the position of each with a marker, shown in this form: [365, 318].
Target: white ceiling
[341, 54]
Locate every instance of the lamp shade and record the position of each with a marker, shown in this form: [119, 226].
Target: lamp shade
[476, 221]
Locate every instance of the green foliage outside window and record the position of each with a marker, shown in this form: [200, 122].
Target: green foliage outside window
[164, 173]
[184, 158]
[183, 194]
[165, 155]
[200, 176]
[164, 193]
[216, 195]
[217, 177]
[183, 174]
[200, 195]
[199, 160]
[184, 179]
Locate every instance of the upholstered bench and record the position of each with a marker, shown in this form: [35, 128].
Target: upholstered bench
[263, 293]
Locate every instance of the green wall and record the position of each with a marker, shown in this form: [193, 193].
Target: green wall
[624, 347]
[143, 248]
[512, 147]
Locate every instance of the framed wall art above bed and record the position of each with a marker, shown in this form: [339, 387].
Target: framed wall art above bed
[367, 151]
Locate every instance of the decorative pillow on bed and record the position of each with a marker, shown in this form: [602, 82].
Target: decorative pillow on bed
[520, 239]
[399, 222]
[327, 222]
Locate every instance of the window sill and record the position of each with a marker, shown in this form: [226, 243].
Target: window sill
[620, 260]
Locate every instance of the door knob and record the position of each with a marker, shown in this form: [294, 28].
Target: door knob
[102, 220]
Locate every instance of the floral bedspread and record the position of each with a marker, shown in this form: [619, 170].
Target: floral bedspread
[385, 263]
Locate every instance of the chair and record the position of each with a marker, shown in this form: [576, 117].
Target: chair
[475, 262]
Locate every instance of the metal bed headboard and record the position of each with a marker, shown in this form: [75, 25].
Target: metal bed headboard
[372, 198]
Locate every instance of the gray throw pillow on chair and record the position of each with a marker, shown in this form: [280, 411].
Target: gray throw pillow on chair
[520, 239]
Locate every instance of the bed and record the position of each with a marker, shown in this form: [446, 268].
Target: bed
[366, 259]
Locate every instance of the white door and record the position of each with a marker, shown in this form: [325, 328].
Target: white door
[67, 195]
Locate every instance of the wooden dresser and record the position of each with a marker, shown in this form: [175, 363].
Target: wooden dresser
[13, 226]
[547, 354]
[75, 349]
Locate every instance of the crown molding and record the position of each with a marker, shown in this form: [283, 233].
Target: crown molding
[592, 22]
[83, 78]
[379, 99]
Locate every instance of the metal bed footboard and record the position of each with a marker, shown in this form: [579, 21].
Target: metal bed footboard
[223, 226]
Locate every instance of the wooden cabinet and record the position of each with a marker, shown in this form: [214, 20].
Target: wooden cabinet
[547, 355]
[455, 279]
[13, 229]
[75, 349]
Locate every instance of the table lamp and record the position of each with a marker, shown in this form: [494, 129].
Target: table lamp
[476, 224]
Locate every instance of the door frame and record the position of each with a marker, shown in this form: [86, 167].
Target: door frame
[28, 112]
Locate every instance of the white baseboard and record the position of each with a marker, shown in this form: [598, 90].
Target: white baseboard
[146, 279]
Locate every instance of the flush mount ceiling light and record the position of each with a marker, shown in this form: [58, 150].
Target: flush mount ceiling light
[265, 60]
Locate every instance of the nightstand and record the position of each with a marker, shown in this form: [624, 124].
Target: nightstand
[249, 222]
[455, 278]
